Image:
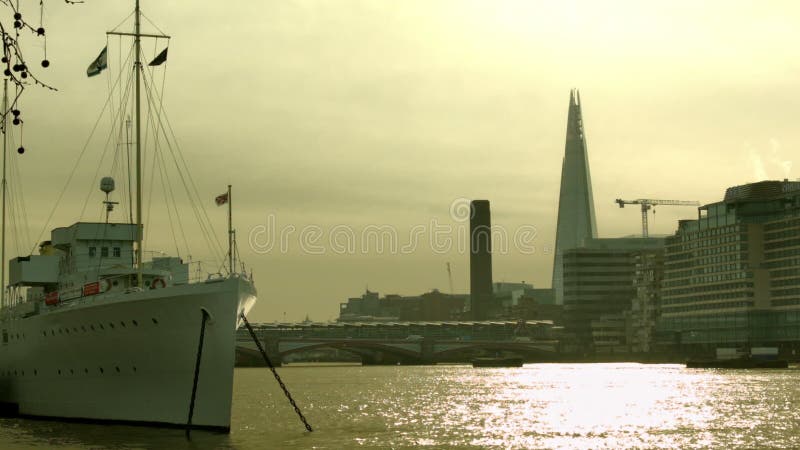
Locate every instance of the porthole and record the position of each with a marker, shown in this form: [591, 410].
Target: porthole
[71, 372]
[101, 326]
[59, 371]
[86, 370]
[135, 323]
[23, 373]
[134, 368]
[67, 330]
[155, 321]
[60, 331]
[117, 369]
[92, 327]
[35, 372]
[44, 333]
[111, 325]
[101, 370]
[122, 322]
[52, 332]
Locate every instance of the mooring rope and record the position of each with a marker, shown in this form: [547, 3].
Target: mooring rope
[274, 373]
[196, 372]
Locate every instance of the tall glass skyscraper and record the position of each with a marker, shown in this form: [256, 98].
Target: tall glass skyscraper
[576, 218]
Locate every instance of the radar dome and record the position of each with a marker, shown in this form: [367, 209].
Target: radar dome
[107, 184]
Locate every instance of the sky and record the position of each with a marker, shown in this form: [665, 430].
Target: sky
[338, 121]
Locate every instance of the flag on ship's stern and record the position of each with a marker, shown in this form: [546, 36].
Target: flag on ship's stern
[97, 66]
[221, 199]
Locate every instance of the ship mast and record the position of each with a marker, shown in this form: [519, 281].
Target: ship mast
[137, 67]
[3, 244]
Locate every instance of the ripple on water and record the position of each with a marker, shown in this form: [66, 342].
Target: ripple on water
[536, 406]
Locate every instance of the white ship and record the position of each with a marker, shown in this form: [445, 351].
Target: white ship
[92, 331]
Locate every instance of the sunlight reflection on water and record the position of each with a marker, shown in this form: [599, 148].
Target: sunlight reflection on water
[536, 406]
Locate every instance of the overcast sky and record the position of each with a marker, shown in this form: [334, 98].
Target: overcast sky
[338, 115]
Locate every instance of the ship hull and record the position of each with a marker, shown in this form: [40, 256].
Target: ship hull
[128, 357]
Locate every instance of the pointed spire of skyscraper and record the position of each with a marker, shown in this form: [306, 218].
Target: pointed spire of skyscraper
[576, 222]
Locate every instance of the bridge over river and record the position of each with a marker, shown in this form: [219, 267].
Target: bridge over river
[402, 342]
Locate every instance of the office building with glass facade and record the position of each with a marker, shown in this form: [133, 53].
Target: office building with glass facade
[732, 276]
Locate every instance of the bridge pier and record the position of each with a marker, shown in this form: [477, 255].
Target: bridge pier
[251, 357]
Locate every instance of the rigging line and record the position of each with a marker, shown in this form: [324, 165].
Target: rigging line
[202, 225]
[108, 86]
[123, 21]
[24, 236]
[193, 203]
[154, 154]
[17, 174]
[169, 190]
[117, 169]
[72, 172]
[166, 202]
[128, 165]
[159, 113]
[195, 191]
[99, 165]
[12, 216]
[151, 23]
[151, 122]
[14, 207]
[204, 232]
[150, 201]
[149, 115]
[206, 226]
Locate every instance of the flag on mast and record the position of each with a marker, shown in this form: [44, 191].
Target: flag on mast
[158, 60]
[221, 199]
[99, 63]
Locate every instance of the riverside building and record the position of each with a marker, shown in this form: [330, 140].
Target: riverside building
[732, 276]
[600, 286]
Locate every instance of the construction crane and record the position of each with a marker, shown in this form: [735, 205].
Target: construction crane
[649, 203]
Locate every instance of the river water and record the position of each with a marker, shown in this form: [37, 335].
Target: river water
[610, 406]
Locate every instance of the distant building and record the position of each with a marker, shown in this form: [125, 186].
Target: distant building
[430, 306]
[599, 289]
[368, 307]
[531, 306]
[641, 319]
[732, 276]
[480, 259]
[576, 217]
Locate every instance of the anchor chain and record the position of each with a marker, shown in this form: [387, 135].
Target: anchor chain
[275, 373]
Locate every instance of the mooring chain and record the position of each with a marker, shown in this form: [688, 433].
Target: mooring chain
[275, 373]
